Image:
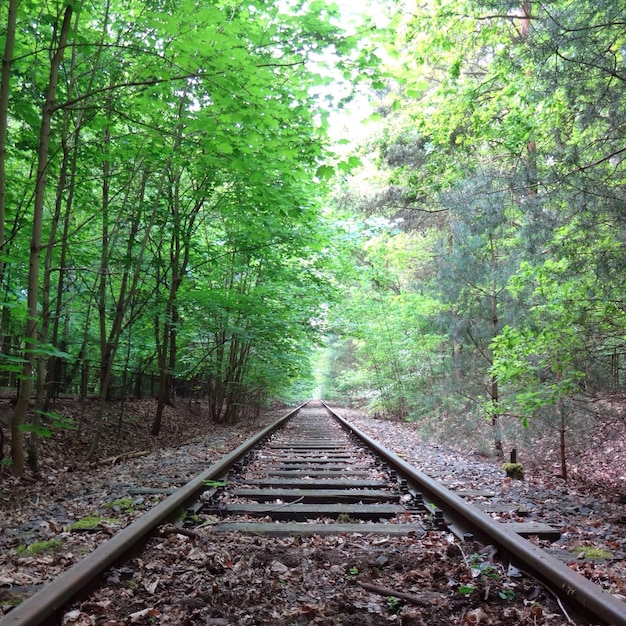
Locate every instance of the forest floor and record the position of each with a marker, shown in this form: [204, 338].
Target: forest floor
[240, 580]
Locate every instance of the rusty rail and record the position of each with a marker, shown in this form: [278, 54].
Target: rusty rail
[44, 604]
[532, 559]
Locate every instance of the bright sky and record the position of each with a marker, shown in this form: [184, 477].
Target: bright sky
[350, 122]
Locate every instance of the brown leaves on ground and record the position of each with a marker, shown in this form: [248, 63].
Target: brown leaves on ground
[232, 579]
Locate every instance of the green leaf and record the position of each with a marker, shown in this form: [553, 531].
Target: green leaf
[41, 431]
[325, 172]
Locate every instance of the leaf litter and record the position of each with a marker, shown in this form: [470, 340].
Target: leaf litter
[228, 578]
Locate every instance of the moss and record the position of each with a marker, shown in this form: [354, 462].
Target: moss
[589, 552]
[89, 523]
[40, 546]
[514, 470]
[121, 504]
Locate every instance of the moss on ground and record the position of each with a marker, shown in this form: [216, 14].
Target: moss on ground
[89, 523]
[40, 547]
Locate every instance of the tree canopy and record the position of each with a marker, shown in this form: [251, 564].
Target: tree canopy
[177, 217]
[497, 155]
[163, 162]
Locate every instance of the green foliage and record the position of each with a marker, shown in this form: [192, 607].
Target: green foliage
[466, 590]
[589, 552]
[188, 155]
[482, 569]
[124, 504]
[475, 242]
[214, 484]
[47, 423]
[489, 145]
[393, 604]
[514, 470]
[541, 359]
[387, 323]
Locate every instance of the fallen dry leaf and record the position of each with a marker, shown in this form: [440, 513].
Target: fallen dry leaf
[77, 618]
[138, 615]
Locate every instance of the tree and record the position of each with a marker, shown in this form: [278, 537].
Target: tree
[32, 344]
[162, 125]
[5, 82]
[383, 341]
[541, 361]
[477, 259]
[498, 130]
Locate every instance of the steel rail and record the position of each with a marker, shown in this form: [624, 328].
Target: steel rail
[556, 575]
[44, 604]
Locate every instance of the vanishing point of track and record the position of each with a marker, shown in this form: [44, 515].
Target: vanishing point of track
[311, 472]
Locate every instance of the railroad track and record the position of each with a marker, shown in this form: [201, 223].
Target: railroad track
[312, 473]
[315, 478]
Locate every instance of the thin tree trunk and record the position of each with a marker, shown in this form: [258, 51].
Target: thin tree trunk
[83, 364]
[494, 390]
[127, 289]
[161, 333]
[5, 87]
[166, 345]
[54, 373]
[42, 361]
[122, 413]
[70, 145]
[5, 84]
[562, 447]
[21, 408]
[235, 396]
[216, 391]
[179, 259]
[562, 432]
[495, 418]
[104, 255]
[385, 402]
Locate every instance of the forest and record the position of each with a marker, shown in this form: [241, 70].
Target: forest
[180, 213]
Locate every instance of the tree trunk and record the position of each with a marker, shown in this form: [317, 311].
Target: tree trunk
[4, 113]
[109, 343]
[562, 441]
[54, 381]
[42, 361]
[104, 256]
[562, 432]
[495, 419]
[21, 408]
[179, 259]
[70, 144]
[494, 390]
[166, 346]
[216, 393]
